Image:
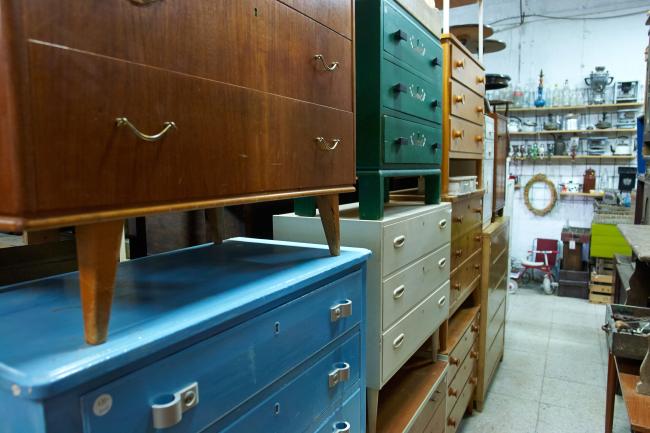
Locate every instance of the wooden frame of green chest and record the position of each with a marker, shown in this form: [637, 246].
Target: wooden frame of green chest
[399, 103]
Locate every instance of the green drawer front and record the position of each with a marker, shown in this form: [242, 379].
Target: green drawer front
[607, 240]
[406, 92]
[410, 43]
[408, 142]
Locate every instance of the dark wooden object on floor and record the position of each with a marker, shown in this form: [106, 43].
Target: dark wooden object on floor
[626, 373]
[98, 129]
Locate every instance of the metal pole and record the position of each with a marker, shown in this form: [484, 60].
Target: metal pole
[480, 31]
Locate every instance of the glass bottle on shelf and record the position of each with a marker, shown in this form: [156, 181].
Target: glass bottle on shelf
[557, 96]
[566, 94]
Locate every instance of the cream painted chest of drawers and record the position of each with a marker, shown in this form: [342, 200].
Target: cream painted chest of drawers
[408, 279]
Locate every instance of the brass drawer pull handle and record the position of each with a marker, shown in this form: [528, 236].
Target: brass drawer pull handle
[442, 262]
[442, 224]
[340, 311]
[123, 121]
[398, 341]
[327, 145]
[454, 361]
[459, 99]
[331, 67]
[399, 291]
[442, 301]
[341, 373]
[458, 134]
[341, 427]
[460, 63]
[399, 241]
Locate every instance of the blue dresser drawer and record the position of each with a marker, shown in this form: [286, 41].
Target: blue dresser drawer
[307, 398]
[349, 415]
[232, 366]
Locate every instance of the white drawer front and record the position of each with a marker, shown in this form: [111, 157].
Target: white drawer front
[402, 340]
[408, 287]
[407, 240]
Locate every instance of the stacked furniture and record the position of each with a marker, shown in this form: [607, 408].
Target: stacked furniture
[399, 102]
[494, 287]
[408, 280]
[239, 337]
[98, 129]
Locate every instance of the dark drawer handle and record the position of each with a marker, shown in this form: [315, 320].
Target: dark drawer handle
[402, 141]
[341, 427]
[340, 311]
[327, 145]
[400, 88]
[456, 286]
[142, 2]
[459, 218]
[329, 68]
[123, 121]
[435, 62]
[341, 373]
[401, 35]
[169, 412]
[434, 104]
[475, 328]
[451, 422]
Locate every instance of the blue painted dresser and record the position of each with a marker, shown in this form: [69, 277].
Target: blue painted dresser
[248, 336]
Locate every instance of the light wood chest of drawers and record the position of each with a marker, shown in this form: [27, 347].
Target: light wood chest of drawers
[408, 278]
[494, 287]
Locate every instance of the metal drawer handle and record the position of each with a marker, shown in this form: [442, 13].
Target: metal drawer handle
[442, 262]
[458, 134]
[341, 427]
[341, 373]
[442, 301]
[340, 311]
[169, 413]
[399, 292]
[327, 145]
[398, 341]
[123, 121]
[460, 99]
[460, 63]
[399, 241]
[331, 67]
[442, 224]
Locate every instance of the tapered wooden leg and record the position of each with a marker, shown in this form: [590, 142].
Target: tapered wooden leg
[373, 405]
[328, 207]
[609, 396]
[98, 247]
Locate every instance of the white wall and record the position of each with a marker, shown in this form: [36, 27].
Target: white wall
[564, 50]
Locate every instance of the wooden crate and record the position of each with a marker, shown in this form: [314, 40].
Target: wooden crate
[602, 279]
[599, 298]
[603, 267]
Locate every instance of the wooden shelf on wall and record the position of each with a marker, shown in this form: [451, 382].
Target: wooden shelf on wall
[583, 194]
[577, 108]
[578, 158]
[609, 131]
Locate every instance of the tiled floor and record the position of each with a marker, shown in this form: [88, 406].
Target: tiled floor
[553, 375]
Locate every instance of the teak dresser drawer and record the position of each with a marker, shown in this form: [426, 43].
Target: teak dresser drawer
[408, 41]
[498, 269]
[228, 372]
[335, 14]
[411, 142]
[243, 42]
[213, 149]
[466, 214]
[465, 372]
[464, 277]
[496, 296]
[465, 70]
[465, 246]
[410, 239]
[408, 287]
[407, 335]
[499, 242]
[495, 323]
[466, 104]
[465, 137]
[463, 347]
[494, 353]
[456, 415]
[432, 417]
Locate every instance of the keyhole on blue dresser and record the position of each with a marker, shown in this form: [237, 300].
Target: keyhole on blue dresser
[276, 409]
[276, 328]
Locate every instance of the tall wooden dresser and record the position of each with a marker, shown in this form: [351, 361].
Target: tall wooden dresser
[399, 96]
[116, 108]
[408, 280]
[494, 288]
[247, 336]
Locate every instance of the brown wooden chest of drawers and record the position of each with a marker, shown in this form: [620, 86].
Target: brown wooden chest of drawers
[494, 286]
[117, 108]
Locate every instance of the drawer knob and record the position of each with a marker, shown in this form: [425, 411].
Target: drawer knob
[399, 241]
[479, 139]
[480, 79]
[399, 291]
[480, 109]
[442, 224]
[169, 409]
[477, 266]
[473, 354]
[459, 99]
[459, 218]
[442, 262]
[435, 62]
[123, 121]
[453, 392]
[459, 64]
[341, 427]
[477, 238]
[341, 373]
[451, 422]
[340, 311]
[456, 286]
[434, 104]
[475, 328]
[324, 144]
[473, 380]
[435, 147]
[458, 133]
[400, 88]
[402, 141]
[329, 68]
[442, 301]
[459, 253]
[401, 35]
[398, 341]
[454, 361]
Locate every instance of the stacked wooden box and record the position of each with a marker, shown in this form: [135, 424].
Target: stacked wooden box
[601, 285]
[408, 281]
